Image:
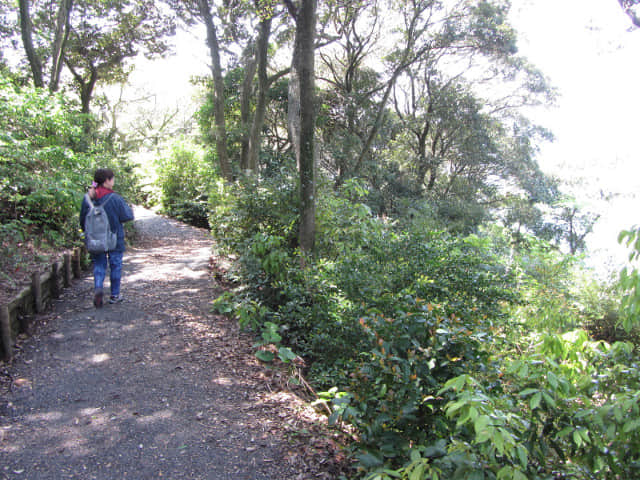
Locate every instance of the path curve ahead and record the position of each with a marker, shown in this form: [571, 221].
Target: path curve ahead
[155, 387]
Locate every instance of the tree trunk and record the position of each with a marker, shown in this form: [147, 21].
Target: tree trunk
[263, 86]
[293, 105]
[218, 87]
[378, 122]
[303, 69]
[61, 35]
[26, 29]
[85, 86]
[245, 107]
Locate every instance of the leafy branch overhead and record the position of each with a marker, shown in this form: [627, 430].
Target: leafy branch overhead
[632, 9]
[91, 39]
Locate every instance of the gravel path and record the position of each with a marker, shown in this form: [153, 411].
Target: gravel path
[155, 387]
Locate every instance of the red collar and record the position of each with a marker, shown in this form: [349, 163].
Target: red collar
[102, 191]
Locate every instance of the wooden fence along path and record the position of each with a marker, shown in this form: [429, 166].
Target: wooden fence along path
[16, 317]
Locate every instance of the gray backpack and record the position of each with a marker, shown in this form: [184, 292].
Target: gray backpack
[97, 232]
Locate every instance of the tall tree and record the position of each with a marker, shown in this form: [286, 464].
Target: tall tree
[104, 35]
[262, 48]
[352, 87]
[267, 12]
[92, 39]
[26, 29]
[218, 87]
[232, 27]
[302, 115]
[421, 35]
[246, 93]
[62, 28]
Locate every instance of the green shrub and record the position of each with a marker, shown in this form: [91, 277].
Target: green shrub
[408, 332]
[253, 205]
[185, 179]
[394, 400]
[47, 159]
[563, 407]
[630, 280]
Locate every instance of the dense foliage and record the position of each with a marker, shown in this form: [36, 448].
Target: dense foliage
[47, 158]
[184, 177]
[450, 356]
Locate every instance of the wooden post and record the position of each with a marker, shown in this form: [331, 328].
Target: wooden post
[84, 254]
[76, 263]
[55, 286]
[5, 333]
[36, 288]
[67, 269]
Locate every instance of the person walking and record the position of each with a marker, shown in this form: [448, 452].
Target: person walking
[118, 212]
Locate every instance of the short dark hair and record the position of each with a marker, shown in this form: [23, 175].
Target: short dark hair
[102, 175]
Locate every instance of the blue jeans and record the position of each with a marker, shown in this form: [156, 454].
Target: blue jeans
[100, 270]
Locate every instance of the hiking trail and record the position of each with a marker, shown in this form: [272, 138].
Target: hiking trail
[154, 387]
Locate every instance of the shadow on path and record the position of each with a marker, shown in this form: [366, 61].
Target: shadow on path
[155, 387]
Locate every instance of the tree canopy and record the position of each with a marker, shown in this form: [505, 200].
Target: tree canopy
[93, 40]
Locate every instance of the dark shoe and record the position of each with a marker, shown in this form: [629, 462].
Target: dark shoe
[116, 299]
[97, 299]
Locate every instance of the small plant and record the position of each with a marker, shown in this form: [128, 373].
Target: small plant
[630, 279]
[271, 338]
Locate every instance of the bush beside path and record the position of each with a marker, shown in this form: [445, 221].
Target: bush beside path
[154, 387]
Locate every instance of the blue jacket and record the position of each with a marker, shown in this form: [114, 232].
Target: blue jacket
[118, 212]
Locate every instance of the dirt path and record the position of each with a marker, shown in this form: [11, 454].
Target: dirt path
[155, 387]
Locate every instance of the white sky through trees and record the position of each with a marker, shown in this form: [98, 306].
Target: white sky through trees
[591, 53]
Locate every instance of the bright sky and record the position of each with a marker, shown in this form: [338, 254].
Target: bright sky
[169, 77]
[590, 53]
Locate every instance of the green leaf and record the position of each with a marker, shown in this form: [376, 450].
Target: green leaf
[485, 435]
[476, 475]
[564, 432]
[286, 354]
[333, 418]
[417, 472]
[518, 475]
[585, 436]
[265, 355]
[369, 460]
[577, 439]
[523, 456]
[528, 391]
[534, 402]
[437, 450]
[481, 423]
[498, 441]
[505, 473]
[456, 384]
[473, 413]
[549, 400]
[470, 414]
[414, 455]
[455, 406]
[631, 425]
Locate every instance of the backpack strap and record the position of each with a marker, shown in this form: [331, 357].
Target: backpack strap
[89, 201]
[92, 203]
[108, 197]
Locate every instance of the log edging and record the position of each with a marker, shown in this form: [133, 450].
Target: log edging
[18, 315]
